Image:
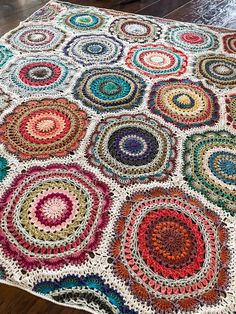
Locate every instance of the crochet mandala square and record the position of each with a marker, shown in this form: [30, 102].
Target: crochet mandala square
[118, 162]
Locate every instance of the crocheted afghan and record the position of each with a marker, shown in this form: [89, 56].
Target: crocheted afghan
[118, 162]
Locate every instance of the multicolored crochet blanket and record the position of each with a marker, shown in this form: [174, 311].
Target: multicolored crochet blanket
[118, 162]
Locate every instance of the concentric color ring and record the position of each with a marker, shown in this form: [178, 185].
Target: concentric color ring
[72, 289]
[231, 110]
[167, 249]
[192, 38]
[229, 42]
[184, 103]
[91, 49]
[5, 55]
[36, 38]
[135, 30]
[82, 21]
[44, 128]
[109, 89]
[34, 74]
[209, 168]
[218, 70]
[133, 148]
[53, 216]
[156, 61]
[47, 13]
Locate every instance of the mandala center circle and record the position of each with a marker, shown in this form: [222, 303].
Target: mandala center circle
[223, 69]
[111, 88]
[133, 145]
[84, 19]
[46, 125]
[192, 38]
[95, 48]
[228, 167]
[37, 74]
[54, 207]
[37, 37]
[41, 127]
[223, 166]
[156, 59]
[184, 101]
[40, 73]
[135, 29]
[106, 89]
[171, 240]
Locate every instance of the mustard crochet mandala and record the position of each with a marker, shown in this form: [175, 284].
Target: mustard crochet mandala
[118, 162]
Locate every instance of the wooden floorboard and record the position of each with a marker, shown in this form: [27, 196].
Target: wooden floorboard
[162, 7]
[217, 12]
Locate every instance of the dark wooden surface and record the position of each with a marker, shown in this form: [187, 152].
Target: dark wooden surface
[215, 12]
[17, 301]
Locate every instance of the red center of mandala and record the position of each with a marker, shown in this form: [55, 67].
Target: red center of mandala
[45, 126]
[173, 245]
[192, 38]
[40, 73]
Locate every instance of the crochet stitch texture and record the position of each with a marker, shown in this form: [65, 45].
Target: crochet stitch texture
[118, 162]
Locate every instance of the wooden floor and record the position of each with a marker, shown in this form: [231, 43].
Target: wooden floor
[215, 12]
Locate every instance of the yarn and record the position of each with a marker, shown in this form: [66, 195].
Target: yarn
[118, 162]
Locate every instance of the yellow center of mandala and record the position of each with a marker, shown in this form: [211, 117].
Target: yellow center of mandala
[45, 125]
[184, 99]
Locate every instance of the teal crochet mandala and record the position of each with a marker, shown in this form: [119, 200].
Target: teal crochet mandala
[118, 162]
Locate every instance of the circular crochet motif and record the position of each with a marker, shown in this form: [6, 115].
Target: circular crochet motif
[135, 30]
[210, 167]
[156, 61]
[84, 21]
[53, 216]
[47, 13]
[170, 250]
[34, 74]
[192, 38]
[43, 128]
[5, 55]
[5, 100]
[184, 103]
[218, 70]
[91, 289]
[3, 168]
[109, 89]
[231, 110]
[133, 149]
[91, 49]
[229, 42]
[36, 38]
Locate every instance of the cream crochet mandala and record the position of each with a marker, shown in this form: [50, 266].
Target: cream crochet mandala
[118, 162]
